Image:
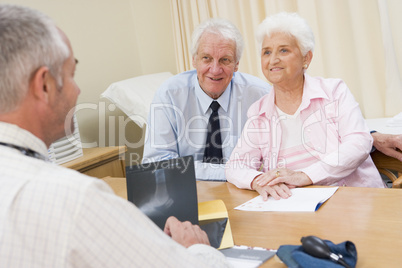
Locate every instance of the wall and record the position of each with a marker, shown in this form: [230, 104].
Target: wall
[112, 40]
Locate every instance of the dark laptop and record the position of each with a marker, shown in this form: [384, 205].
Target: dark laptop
[168, 188]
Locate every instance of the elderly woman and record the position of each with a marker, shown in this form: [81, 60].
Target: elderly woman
[308, 130]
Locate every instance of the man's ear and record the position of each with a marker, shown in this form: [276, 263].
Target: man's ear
[194, 62]
[237, 66]
[40, 84]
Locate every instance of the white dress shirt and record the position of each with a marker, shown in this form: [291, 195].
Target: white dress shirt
[51, 216]
[178, 119]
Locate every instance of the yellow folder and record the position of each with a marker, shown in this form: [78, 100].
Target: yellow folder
[216, 209]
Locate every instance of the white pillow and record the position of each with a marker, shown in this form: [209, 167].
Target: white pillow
[395, 121]
[134, 96]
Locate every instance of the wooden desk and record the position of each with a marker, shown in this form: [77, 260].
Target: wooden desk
[371, 218]
[100, 162]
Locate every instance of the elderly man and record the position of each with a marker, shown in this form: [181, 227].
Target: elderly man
[56, 217]
[202, 112]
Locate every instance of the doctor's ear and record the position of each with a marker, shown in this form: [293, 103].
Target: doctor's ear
[40, 83]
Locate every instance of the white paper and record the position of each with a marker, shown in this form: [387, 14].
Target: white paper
[302, 199]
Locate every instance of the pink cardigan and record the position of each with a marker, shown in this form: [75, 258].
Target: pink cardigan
[332, 123]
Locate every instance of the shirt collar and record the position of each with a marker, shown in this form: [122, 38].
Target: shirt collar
[205, 100]
[311, 90]
[13, 134]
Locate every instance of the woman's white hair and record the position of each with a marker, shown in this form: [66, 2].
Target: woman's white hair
[28, 41]
[222, 27]
[290, 23]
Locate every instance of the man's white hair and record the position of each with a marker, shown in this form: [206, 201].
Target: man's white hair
[222, 27]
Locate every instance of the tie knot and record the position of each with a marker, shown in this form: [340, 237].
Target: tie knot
[215, 106]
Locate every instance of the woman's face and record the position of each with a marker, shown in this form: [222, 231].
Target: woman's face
[281, 59]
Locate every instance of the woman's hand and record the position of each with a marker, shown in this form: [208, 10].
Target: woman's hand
[278, 191]
[289, 177]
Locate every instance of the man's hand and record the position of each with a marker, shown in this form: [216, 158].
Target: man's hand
[388, 144]
[185, 233]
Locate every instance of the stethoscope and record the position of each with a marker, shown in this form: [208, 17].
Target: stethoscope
[25, 151]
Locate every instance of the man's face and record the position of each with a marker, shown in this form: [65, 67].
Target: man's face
[66, 97]
[215, 63]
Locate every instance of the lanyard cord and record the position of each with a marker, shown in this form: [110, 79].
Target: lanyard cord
[25, 151]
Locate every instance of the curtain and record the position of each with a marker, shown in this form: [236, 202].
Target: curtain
[356, 40]
[391, 37]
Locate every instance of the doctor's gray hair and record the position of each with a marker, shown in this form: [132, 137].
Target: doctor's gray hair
[289, 23]
[222, 27]
[29, 40]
